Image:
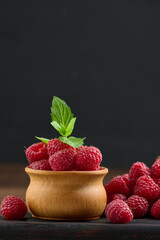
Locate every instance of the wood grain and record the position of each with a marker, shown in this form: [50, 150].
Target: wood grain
[66, 195]
[30, 228]
[14, 180]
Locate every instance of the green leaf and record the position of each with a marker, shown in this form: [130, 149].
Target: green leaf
[61, 112]
[70, 127]
[72, 141]
[59, 128]
[56, 125]
[45, 140]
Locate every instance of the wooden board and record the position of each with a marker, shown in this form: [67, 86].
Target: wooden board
[30, 228]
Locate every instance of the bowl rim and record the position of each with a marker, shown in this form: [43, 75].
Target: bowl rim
[101, 171]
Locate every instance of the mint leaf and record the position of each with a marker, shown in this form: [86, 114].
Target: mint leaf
[62, 117]
[59, 128]
[61, 112]
[70, 127]
[63, 121]
[45, 140]
[72, 141]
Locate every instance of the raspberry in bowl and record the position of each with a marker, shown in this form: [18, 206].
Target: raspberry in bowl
[66, 179]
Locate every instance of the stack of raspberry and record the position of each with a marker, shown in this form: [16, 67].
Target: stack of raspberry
[134, 195]
[59, 156]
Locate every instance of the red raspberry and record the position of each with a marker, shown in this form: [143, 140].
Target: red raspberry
[13, 208]
[63, 160]
[88, 159]
[36, 152]
[55, 145]
[116, 196]
[147, 188]
[158, 182]
[126, 179]
[155, 209]
[151, 202]
[156, 168]
[119, 196]
[109, 198]
[117, 185]
[138, 169]
[40, 165]
[79, 149]
[138, 205]
[118, 211]
[154, 178]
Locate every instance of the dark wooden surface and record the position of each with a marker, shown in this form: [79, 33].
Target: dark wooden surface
[14, 181]
[30, 228]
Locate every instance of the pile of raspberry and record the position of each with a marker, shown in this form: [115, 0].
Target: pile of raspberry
[59, 156]
[135, 194]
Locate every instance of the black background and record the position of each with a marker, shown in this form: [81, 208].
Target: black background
[101, 57]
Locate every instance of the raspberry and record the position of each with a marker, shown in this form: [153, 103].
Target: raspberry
[36, 152]
[13, 208]
[118, 211]
[155, 209]
[88, 159]
[138, 169]
[119, 196]
[156, 180]
[151, 202]
[117, 185]
[138, 205]
[63, 160]
[109, 198]
[115, 196]
[55, 145]
[147, 188]
[126, 179]
[40, 165]
[79, 149]
[156, 168]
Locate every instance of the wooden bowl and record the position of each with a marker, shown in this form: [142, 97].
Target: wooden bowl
[66, 195]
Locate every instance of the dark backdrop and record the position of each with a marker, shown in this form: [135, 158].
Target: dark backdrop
[101, 57]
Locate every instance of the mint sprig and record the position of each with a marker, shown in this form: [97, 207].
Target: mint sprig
[60, 112]
[63, 121]
[45, 140]
[72, 141]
